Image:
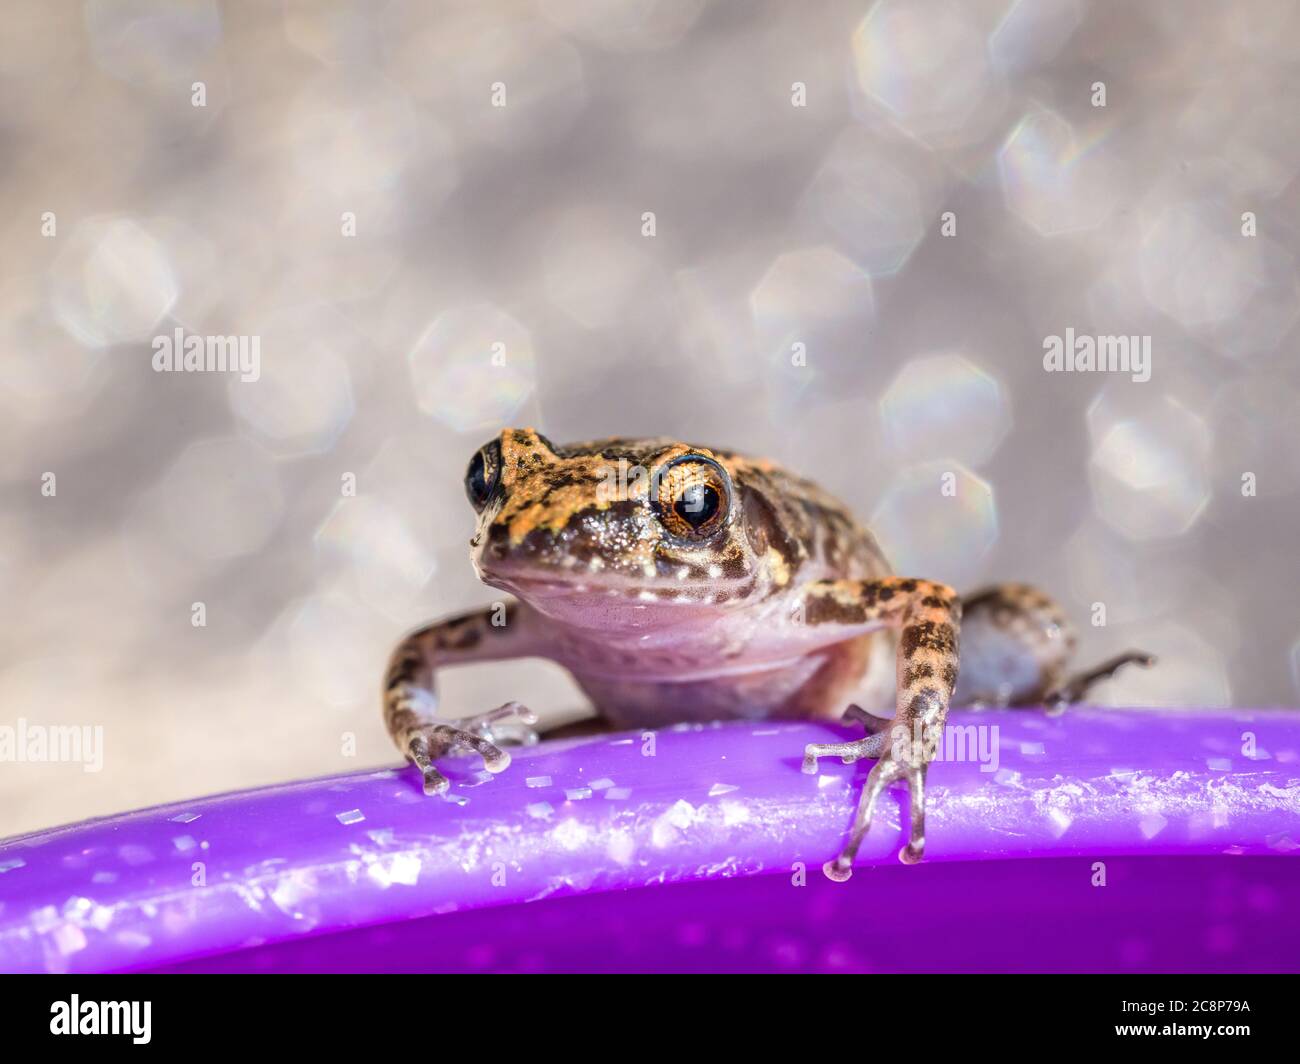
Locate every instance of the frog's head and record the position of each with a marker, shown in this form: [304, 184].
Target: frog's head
[616, 532]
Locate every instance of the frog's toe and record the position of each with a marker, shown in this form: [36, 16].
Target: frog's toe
[497, 725]
[1073, 690]
[419, 752]
[872, 724]
[838, 870]
[848, 752]
[455, 739]
[883, 773]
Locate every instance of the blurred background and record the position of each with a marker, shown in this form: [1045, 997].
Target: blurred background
[441, 218]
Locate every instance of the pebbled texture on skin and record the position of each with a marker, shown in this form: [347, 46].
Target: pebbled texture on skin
[678, 582]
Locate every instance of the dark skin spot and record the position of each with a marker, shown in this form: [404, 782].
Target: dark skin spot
[917, 673]
[459, 634]
[924, 700]
[827, 610]
[907, 585]
[733, 566]
[405, 667]
[929, 635]
[765, 524]
[462, 639]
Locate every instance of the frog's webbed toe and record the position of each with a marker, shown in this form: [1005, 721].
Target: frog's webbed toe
[479, 734]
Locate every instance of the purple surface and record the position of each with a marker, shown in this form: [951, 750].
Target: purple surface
[265, 871]
[1155, 914]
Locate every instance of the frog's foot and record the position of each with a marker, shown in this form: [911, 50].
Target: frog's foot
[886, 771]
[1071, 691]
[852, 751]
[429, 742]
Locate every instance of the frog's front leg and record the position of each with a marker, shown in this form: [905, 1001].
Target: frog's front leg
[411, 701]
[928, 616]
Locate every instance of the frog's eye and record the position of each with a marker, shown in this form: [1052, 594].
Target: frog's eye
[481, 477]
[693, 497]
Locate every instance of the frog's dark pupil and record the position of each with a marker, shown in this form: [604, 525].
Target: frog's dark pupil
[476, 479]
[697, 504]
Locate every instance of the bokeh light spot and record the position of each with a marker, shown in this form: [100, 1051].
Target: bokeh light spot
[112, 283]
[944, 405]
[937, 521]
[1148, 470]
[473, 368]
[1056, 179]
[220, 499]
[925, 62]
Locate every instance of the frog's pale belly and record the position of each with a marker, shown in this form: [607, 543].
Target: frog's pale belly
[628, 703]
[816, 685]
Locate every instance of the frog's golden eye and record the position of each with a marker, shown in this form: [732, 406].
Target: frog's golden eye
[693, 497]
[481, 477]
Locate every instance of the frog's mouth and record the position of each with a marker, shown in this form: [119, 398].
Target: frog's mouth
[607, 603]
[532, 584]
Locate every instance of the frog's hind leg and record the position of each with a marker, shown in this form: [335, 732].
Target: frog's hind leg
[1016, 649]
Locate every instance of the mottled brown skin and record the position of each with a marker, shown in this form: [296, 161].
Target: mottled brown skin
[662, 574]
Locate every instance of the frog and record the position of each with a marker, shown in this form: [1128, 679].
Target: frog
[679, 583]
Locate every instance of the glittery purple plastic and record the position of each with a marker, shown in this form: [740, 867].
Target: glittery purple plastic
[365, 872]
